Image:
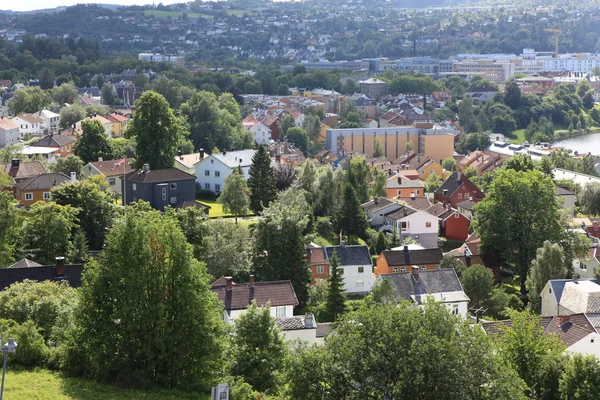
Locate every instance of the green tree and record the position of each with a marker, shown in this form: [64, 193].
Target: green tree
[351, 219]
[589, 198]
[581, 378]
[156, 130]
[93, 143]
[378, 151]
[29, 100]
[228, 250]
[517, 215]
[449, 164]
[71, 115]
[466, 116]
[357, 176]
[473, 141]
[258, 348]
[65, 93]
[299, 138]
[147, 316]
[67, 165]
[383, 292]
[378, 183]
[312, 126]
[317, 299]
[10, 229]
[548, 264]
[287, 122]
[195, 226]
[448, 261]
[433, 183]
[235, 194]
[108, 94]
[95, 205]
[512, 95]
[46, 78]
[470, 172]
[477, 283]
[48, 231]
[262, 181]
[336, 298]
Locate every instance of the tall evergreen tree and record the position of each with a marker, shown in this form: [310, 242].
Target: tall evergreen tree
[351, 218]
[336, 298]
[262, 181]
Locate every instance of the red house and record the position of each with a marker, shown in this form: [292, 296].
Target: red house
[317, 261]
[453, 224]
[457, 189]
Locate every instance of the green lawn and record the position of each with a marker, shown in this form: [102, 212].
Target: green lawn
[239, 13]
[520, 137]
[216, 210]
[173, 14]
[47, 385]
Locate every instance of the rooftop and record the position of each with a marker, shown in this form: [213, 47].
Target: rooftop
[443, 284]
[45, 181]
[233, 159]
[275, 293]
[110, 168]
[350, 255]
[159, 175]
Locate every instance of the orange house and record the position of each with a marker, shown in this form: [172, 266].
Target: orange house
[429, 167]
[399, 186]
[63, 143]
[395, 262]
[38, 188]
[317, 261]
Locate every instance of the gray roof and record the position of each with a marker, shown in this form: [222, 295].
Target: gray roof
[400, 213]
[467, 205]
[236, 158]
[560, 191]
[24, 263]
[54, 141]
[293, 323]
[413, 257]
[43, 181]
[159, 175]
[400, 182]
[350, 255]
[373, 205]
[407, 287]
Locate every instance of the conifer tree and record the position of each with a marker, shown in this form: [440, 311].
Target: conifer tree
[352, 219]
[336, 298]
[262, 181]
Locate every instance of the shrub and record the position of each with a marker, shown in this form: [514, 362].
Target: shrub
[32, 350]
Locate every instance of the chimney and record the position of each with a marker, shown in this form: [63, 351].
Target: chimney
[201, 151]
[251, 289]
[415, 272]
[406, 248]
[458, 174]
[412, 195]
[309, 321]
[445, 191]
[563, 320]
[390, 171]
[59, 269]
[224, 152]
[229, 282]
[342, 243]
[73, 176]
[15, 163]
[376, 200]
[100, 159]
[399, 180]
[146, 168]
[251, 281]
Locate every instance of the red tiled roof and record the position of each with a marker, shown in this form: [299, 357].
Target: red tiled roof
[277, 293]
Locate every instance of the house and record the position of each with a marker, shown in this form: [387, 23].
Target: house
[578, 332]
[119, 124]
[48, 153]
[286, 153]
[474, 159]
[399, 186]
[113, 171]
[567, 199]
[467, 208]
[410, 223]
[212, 170]
[428, 167]
[419, 287]
[106, 123]
[58, 272]
[453, 224]
[24, 263]
[29, 123]
[38, 188]
[160, 188]
[186, 162]
[298, 328]
[61, 143]
[236, 297]
[20, 170]
[456, 189]
[377, 208]
[481, 94]
[570, 296]
[260, 132]
[50, 121]
[317, 262]
[395, 262]
[9, 132]
[469, 254]
[588, 266]
[357, 265]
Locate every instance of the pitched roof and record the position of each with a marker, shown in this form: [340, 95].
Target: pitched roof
[277, 293]
[413, 257]
[32, 119]
[26, 169]
[400, 213]
[6, 124]
[110, 168]
[441, 282]
[294, 323]
[350, 255]
[441, 211]
[24, 263]
[467, 204]
[317, 256]
[8, 276]
[159, 175]
[54, 141]
[235, 158]
[376, 204]
[560, 191]
[399, 181]
[453, 183]
[43, 181]
[189, 160]
[118, 118]
[192, 203]
[418, 203]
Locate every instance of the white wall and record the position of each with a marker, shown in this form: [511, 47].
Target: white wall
[351, 276]
[417, 225]
[28, 127]
[377, 217]
[261, 133]
[549, 304]
[309, 336]
[589, 345]
[213, 165]
[590, 265]
[9, 137]
[289, 312]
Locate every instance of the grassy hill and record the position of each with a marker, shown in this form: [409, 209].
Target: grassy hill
[48, 385]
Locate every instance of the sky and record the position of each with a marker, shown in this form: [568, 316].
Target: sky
[28, 5]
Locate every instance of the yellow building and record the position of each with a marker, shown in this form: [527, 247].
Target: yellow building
[119, 124]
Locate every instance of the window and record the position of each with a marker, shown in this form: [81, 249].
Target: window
[403, 269]
[173, 200]
[280, 312]
[395, 270]
[212, 161]
[431, 171]
[582, 266]
[437, 267]
[173, 186]
[28, 196]
[320, 269]
[46, 196]
[360, 283]
[418, 191]
[423, 268]
[403, 226]
[112, 181]
[207, 186]
[456, 215]
[217, 187]
[361, 270]
[460, 195]
[217, 174]
[399, 192]
[454, 309]
[427, 224]
[134, 186]
[164, 194]
[206, 172]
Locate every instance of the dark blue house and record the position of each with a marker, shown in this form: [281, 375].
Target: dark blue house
[160, 188]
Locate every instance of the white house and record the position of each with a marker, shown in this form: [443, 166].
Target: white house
[50, 120]
[236, 297]
[419, 287]
[29, 123]
[570, 296]
[113, 172]
[377, 208]
[186, 162]
[418, 225]
[9, 132]
[587, 267]
[299, 328]
[357, 267]
[49, 153]
[212, 170]
[261, 133]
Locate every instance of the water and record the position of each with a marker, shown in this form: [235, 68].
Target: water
[582, 144]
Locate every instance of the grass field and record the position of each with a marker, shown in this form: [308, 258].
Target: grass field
[47, 385]
[216, 210]
[174, 14]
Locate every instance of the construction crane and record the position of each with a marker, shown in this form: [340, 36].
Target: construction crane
[557, 33]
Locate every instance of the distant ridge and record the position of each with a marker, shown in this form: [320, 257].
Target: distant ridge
[60, 8]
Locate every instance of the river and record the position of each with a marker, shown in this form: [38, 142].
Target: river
[582, 144]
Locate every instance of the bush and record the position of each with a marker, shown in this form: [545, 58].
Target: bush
[32, 350]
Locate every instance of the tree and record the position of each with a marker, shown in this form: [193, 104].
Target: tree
[299, 138]
[433, 183]
[95, 205]
[108, 94]
[29, 100]
[589, 198]
[227, 250]
[317, 299]
[588, 100]
[378, 151]
[477, 283]
[512, 95]
[195, 226]
[366, 359]
[258, 348]
[287, 121]
[378, 183]
[357, 175]
[285, 176]
[548, 264]
[64, 94]
[69, 116]
[473, 141]
[448, 261]
[312, 126]
[146, 294]
[449, 164]
[93, 143]
[156, 130]
[351, 219]
[383, 292]
[262, 181]
[517, 215]
[336, 298]
[48, 231]
[466, 116]
[235, 194]
[10, 229]
[67, 165]
[46, 78]
[470, 172]
[581, 378]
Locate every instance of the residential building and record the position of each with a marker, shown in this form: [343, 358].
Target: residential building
[9, 132]
[24, 263]
[481, 94]
[298, 329]
[456, 189]
[356, 264]
[400, 187]
[57, 273]
[156, 58]
[396, 262]
[106, 124]
[113, 172]
[377, 208]
[236, 297]
[212, 170]
[466, 208]
[29, 124]
[20, 170]
[419, 287]
[453, 225]
[286, 153]
[373, 88]
[119, 124]
[588, 266]
[566, 198]
[428, 167]
[317, 262]
[470, 254]
[576, 177]
[50, 121]
[570, 296]
[187, 162]
[160, 188]
[63, 145]
[261, 133]
[410, 223]
[50, 154]
[37, 188]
